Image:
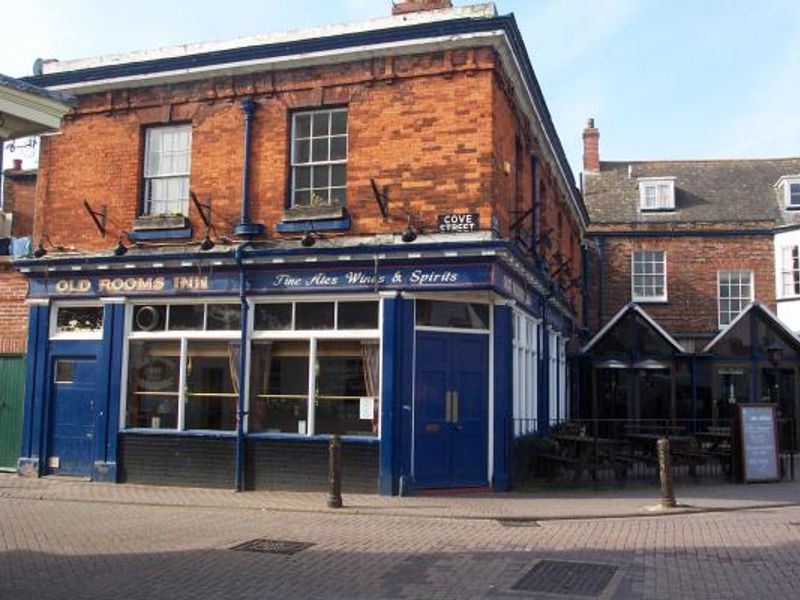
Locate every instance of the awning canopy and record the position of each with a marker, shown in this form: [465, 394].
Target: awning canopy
[26, 109]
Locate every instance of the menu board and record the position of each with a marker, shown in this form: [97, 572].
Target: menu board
[759, 443]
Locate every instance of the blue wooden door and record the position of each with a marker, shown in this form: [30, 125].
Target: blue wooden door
[450, 410]
[71, 439]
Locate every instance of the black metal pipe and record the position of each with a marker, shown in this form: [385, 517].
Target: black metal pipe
[241, 413]
[245, 227]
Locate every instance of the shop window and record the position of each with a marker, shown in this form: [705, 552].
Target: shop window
[315, 315]
[344, 379]
[735, 293]
[150, 318]
[78, 321]
[273, 317]
[312, 316]
[224, 317]
[347, 388]
[166, 170]
[525, 375]
[186, 317]
[319, 158]
[279, 387]
[153, 384]
[459, 315]
[649, 276]
[358, 315]
[212, 385]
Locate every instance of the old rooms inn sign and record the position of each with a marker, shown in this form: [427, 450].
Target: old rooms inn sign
[366, 279]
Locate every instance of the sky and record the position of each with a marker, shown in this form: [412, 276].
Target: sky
[664, 79]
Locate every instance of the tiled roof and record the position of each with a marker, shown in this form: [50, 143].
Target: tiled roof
[706, 191]
[29, 88]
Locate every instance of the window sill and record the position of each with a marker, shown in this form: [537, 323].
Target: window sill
[160, 227]
[324, 218]
[650, 300]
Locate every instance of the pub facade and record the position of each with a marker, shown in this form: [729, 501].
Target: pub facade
[244, 248]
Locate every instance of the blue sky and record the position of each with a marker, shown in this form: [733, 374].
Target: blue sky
[663, 79]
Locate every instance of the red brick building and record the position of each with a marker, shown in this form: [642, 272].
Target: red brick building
[368, 230]
[683, 286]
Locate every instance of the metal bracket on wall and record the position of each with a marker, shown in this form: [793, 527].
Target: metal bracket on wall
[99, 217]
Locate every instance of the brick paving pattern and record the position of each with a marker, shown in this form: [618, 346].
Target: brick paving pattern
[57, 547]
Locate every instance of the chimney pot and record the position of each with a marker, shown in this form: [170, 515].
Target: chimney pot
[591, 148]
[403, 7]
[17, 164]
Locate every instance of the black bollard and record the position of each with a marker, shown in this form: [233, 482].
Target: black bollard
[665, 472]
[335, 472]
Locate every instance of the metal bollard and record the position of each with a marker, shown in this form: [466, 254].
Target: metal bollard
[665, 472]
[335, 472]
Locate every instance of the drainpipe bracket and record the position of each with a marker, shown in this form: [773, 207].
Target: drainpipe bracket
[249, 230]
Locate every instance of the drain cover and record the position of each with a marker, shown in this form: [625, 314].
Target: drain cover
[511, 522]
[567, 578]
[266, 546]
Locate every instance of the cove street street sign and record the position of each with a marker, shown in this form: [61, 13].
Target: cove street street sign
[458, 222]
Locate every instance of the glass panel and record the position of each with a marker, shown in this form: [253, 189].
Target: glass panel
[301, 151]
[273, 316]
[183, 317]
[314, 315]
[65, 371]
[338, 196]
[212, 385]
[733, 387]
[302, 125]
[279, 387]
[321, 177]
[338, 175]
[655, 393]
[338, 148]
[339, 123]
[302, 198]
[79, 319]
[319, 150]
[344, 404]
[321, 123]
[650, 341]
[227, 317]
[303, 177]
[452, 314]
[150, 318]
[358, 315]
[153, 379]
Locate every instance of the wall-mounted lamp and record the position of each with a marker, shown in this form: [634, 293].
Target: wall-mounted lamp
[207, 243]
[121, 249]
[307, 240]
[410, 234]
[40, 250]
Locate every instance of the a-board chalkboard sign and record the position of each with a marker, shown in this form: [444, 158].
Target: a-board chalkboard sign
[758, 442]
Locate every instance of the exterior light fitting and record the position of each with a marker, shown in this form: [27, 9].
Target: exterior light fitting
[307, 240]
[207, 243]
[40, 251]
[121, 249]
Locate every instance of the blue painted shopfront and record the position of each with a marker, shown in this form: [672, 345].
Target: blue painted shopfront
[445, 395]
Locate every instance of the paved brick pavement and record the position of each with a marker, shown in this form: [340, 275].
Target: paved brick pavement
[138, 542]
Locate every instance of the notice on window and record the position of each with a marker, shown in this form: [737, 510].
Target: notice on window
[367, 409]
[301, 427]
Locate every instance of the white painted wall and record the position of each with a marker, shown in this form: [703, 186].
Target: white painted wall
[788, 306]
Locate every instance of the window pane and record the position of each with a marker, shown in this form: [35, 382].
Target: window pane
[338, 148]
[79, 319]
[338, 175]
[65, 371]
[273, 316]
[339, 122]
[338, 196]
[226, 317]
[301, 151]
[186, 317]
[346, 395]
[314, 315]
[212, 385]
[321, 177]
[302, 198]
[452, 314]
[279, 387]
[321, 123]
[302, 125]
[153, 376]
[150, 318]
[302, 178]
[319, 150]
[320, 197]
[358, 315]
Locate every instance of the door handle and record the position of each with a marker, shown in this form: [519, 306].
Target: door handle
[448, 406]
[454, 409]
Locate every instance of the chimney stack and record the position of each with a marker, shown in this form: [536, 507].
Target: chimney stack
[403, 7]
[591, 148]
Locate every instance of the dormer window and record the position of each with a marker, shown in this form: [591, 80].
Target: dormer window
[657, 193]
[789, 185]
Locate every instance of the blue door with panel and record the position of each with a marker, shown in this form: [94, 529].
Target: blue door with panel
[70, 448]
[450, 410]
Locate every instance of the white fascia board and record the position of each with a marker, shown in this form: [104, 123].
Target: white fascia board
[41, 112]
[478, 11]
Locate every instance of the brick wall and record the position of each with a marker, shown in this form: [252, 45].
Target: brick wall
[13, 310]
[417, 124]
[692, 266]
[20, 197]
